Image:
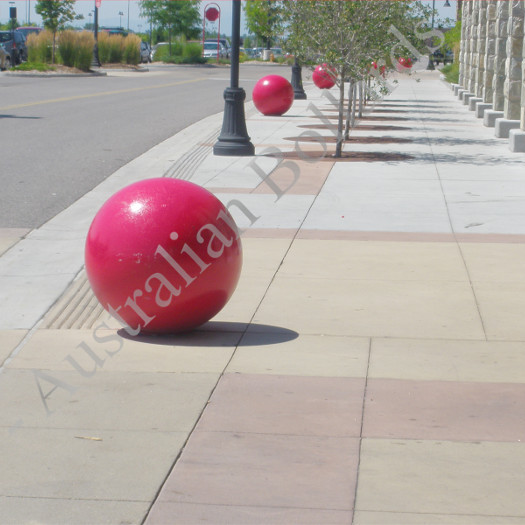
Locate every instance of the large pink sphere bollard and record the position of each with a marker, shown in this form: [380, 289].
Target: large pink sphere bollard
[163, 255]
[273, 95]
[324, 76]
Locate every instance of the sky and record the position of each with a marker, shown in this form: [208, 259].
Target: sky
[109, 13]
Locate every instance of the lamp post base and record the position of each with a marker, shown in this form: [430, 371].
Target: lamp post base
[234, 139]
[430, 66]
[96, 60]
[297, 83]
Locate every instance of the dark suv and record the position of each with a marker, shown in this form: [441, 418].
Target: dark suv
[14, 43]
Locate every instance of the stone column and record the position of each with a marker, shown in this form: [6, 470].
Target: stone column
[488, 70]
[517, 136]
[502, 15]
[474, 64]
[490, 52]
[482, 43]
[466, 31]
[513, 75]
[463, 52]
[480, 53]
[522, 120]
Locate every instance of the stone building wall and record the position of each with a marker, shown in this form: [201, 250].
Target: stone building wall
[492, 66]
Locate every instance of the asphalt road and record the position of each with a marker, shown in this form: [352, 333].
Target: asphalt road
[62, 136]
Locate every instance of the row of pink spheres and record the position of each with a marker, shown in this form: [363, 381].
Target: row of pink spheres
[273, 95]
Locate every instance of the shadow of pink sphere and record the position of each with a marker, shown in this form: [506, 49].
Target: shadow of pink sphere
[273, 95]
[163, 255]
[324, 76]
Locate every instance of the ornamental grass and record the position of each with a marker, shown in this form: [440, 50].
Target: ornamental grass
[40, 47]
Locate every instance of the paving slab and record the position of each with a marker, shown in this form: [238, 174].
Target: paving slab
[487, 262]
[447, 360]
[160, 402]
[9, 340]
[264, 470]
[502, 307]
[406, 261]
[304, 355]
[195, 513]
[373, 308]
[427, 477]
[16, 510]
[77, 463]
[444, 410]
[403, 518]
[286, 405]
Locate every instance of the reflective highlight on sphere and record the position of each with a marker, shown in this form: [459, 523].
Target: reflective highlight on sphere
[273, 95]
[163, 255]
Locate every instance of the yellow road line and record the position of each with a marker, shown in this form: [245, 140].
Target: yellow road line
[103, 94]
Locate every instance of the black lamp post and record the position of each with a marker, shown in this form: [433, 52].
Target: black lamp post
[96, 60]
[234, 139]
[431, 66]
[297, 82]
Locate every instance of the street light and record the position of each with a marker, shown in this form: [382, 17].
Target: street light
[96, 59]
[120, 14]
[212, 12]
[431, 66]
[234, 139]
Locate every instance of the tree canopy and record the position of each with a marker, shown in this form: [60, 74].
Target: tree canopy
[264, 18]
[350, 35]
[178, 18]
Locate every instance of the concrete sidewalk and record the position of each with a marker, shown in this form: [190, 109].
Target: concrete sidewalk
[369, 369]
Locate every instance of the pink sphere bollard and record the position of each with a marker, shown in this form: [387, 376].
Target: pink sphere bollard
[163, 255]
[273, 95]
[403, 64]
[324, 76]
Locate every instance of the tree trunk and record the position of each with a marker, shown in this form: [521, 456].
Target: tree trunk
[361, 93]
[340, 138]
[54, 47]
[354, 106]
[349, 109]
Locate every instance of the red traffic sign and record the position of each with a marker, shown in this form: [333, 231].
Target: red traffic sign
[212, 13]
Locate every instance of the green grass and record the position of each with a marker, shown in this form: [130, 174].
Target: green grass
[451, 72]
[34, 66]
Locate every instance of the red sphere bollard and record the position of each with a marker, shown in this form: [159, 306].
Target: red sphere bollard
[163, 255]
[324, 76]
[403, 64]
[273, 95]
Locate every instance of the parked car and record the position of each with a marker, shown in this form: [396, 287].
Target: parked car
[438, 56]
[14, 43]
[145, 53]
[5, 59]
[225, 44]
[27, 30]
[210, 50]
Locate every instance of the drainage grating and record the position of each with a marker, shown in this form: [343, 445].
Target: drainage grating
[78, 308]
[187, 165]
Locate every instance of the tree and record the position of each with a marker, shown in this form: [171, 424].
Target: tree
[349, 35]
[56, 14]
[264, 18]
[179, 18]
